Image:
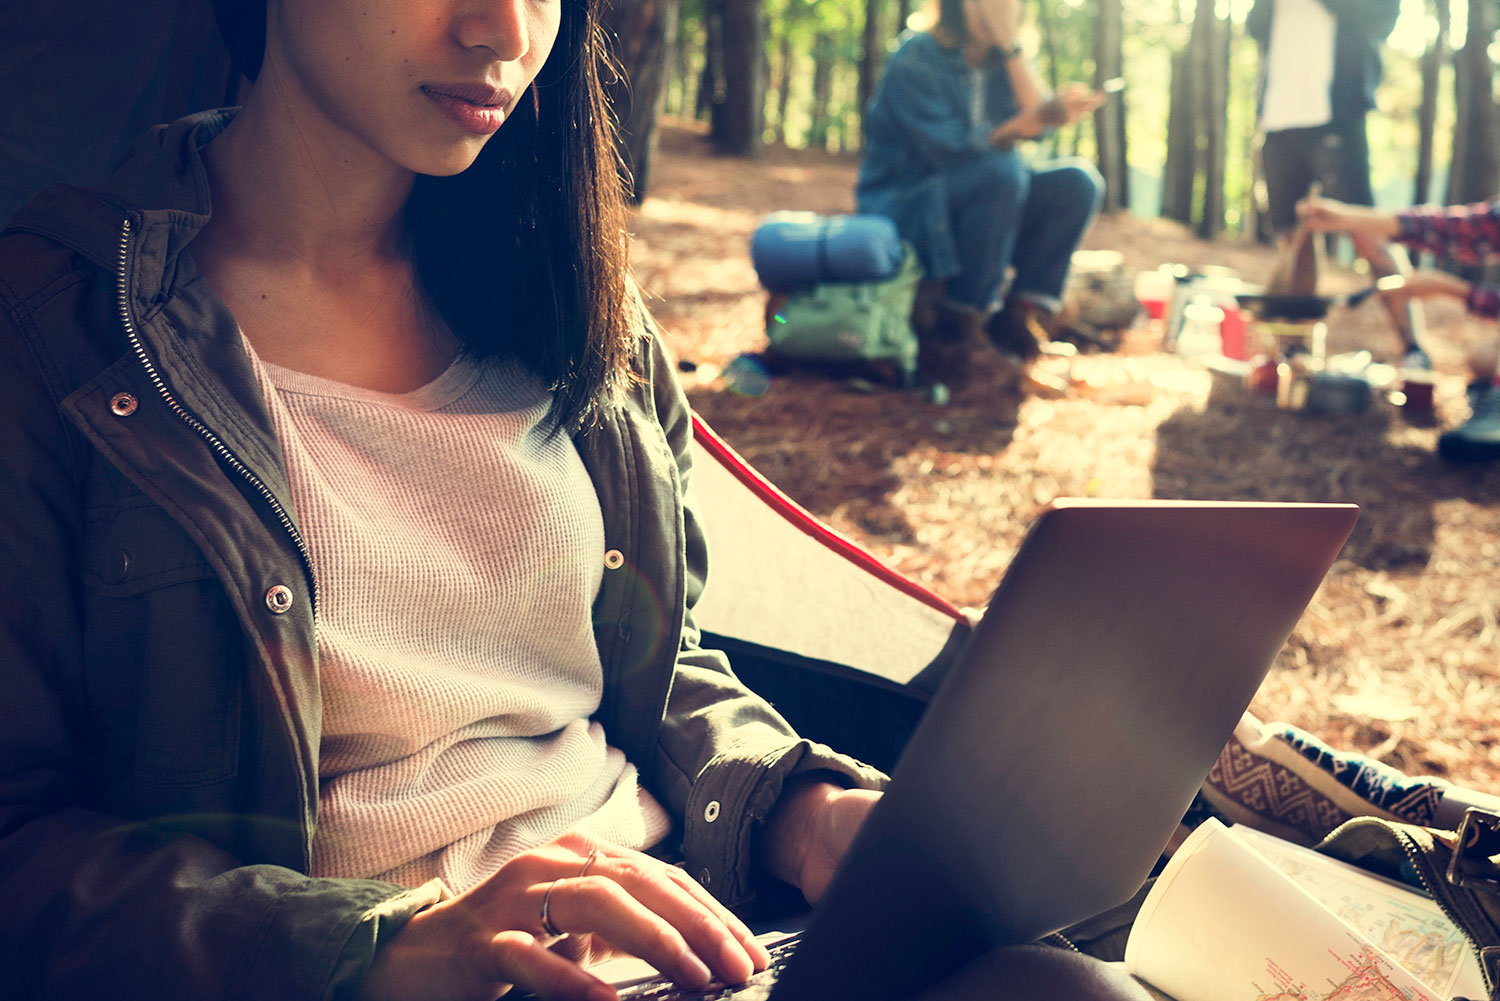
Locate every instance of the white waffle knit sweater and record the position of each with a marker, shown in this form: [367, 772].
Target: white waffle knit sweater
[459, 548]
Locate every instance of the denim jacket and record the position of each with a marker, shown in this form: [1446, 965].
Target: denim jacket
[933, 110]
[159, 728]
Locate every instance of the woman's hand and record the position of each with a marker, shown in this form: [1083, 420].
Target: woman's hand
[810, 829]
[1074, 100]
[1070, 103]
[1325, 215]
[601, 898]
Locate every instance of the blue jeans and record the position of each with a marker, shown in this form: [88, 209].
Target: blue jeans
[1005, 213]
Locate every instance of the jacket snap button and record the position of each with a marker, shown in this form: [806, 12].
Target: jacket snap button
[279, 599]
[614, 559]
[122, 404]
[711, 812]
[703, 876]
[116, 567]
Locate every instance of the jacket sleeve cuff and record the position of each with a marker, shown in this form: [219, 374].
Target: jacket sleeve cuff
[353, 944]
[1483, 300]
[733, 797]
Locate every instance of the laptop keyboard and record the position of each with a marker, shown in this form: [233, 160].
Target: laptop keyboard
[757, 988]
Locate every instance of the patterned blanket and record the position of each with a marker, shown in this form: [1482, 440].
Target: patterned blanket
[1285, 781]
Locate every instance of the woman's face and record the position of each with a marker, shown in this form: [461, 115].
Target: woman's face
[990, 21]
[422, 84]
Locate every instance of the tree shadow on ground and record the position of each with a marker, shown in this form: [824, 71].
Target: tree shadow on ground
[1374, 459]
[833, 444]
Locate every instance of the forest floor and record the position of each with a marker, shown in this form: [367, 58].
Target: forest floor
[1397, 656]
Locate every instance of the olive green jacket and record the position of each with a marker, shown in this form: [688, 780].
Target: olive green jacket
[159, 722]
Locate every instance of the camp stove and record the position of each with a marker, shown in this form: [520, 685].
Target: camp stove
[1299, 349]
[1284, 339]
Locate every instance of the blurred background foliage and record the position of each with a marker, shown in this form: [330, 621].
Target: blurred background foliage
[799, 73]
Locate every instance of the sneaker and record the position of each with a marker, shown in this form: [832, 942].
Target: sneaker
[1478, 438]
[1416, 360]
[1474, 390]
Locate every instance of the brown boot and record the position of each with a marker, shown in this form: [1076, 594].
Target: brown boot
[925, 306]
[943, 355]
[1020, 329]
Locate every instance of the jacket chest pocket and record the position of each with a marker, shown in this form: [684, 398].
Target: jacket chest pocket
[163, 653]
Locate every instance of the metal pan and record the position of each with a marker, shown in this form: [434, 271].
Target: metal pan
[1293, 308]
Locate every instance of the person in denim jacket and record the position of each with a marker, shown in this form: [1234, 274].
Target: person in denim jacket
[940, 161]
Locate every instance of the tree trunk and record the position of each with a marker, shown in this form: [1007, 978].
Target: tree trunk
[682, 95]
[783, 85]
[1432, 68]
[742, 112]
[1109, 120]
[1182, 142]
[642, 32]
[1475, 173]
[711, 80]
[903, 11]
[1213, 114]
[822, 93]
[871, 56]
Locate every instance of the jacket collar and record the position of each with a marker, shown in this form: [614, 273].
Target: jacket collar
[161, 187]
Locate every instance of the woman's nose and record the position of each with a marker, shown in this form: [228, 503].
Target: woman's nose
[502, 26]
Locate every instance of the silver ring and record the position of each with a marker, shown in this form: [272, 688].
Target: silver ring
[593, 854]
[547, 925]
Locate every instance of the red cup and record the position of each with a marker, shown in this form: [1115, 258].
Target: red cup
[1416, 391]
[1232, 334]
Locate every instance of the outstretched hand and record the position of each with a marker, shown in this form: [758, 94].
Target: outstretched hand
[1421, 284]
[600, 900]
[1326, 215]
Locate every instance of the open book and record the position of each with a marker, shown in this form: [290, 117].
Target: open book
[1238, 915]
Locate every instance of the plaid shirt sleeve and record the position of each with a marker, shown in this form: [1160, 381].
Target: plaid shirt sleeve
[1484, 300]
[1468, 234]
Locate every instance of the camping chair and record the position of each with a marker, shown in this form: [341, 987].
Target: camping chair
[850, 652]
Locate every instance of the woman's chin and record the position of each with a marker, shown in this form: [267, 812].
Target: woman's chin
[449, 162]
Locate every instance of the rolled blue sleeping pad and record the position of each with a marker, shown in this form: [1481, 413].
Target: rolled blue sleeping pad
[797, 250]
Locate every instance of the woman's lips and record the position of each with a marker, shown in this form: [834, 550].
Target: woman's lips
[476, 109]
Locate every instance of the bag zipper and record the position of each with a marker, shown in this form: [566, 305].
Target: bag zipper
[1430, 878]
[220, 449]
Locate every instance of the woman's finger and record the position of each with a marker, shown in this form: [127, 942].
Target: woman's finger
[741, 932]
[598, 905]
[518, 958]
[702, 919]
[635, 869]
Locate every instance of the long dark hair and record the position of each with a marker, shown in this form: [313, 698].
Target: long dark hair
[951, 28]
[524, 254]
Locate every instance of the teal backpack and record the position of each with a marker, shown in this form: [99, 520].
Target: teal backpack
[849, 326]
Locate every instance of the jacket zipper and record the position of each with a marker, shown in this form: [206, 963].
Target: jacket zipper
[1425, 875]
[220, 449]
[1061, 941]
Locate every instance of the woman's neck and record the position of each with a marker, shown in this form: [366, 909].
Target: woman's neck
[306, 248]
[283, 192]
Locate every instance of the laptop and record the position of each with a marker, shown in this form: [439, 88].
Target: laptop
[1066, 741]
